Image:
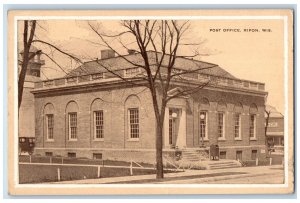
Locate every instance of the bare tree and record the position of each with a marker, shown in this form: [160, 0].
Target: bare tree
[29, 28]
[267, 112]
[30, 38]
[161, 38]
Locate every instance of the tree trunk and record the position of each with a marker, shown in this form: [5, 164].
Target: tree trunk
[22, 76]
[159, 158]
[26, 57]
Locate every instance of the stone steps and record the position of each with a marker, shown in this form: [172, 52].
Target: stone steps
[221, 164]
[193, 156]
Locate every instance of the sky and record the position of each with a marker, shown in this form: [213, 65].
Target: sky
[256, 56]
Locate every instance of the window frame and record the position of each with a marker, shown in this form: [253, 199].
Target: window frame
[252, 154]
[239, 126]
[69, 127]
[239, 152]
[205, 138]
[223, 125]
[170, 135]
[254, 127]
[130, 138]
[95, 125]
[47, 128]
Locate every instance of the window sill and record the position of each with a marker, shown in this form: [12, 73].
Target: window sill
[205, 140]
[253, 139]
[73, 140]
[99, 140]
[238, 139]
[49, 140]
[133, 140]
[221, 139]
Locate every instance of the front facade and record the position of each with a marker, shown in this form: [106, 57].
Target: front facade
[96, 115]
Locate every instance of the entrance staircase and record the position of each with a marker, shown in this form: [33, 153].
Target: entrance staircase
[221, 164]
[194, 155]
[200, 158]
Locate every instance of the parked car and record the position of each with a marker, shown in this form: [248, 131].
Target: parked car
[26, 144]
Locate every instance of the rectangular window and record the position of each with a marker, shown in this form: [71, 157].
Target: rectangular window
[237, 126]
[50, 125]
[48, 153]
[71, 154]
[171, 127]
[203, 125]
[221, 125]
[253, 154]
[252, 126]
[134, 123]
[98, 125]
[72, 126]
[239, 155]
[97, 155]
[223, 155]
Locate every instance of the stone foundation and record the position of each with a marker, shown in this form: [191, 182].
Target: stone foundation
[147, 156]
[143, 156]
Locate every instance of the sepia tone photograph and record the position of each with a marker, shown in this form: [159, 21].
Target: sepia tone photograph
[151, 102]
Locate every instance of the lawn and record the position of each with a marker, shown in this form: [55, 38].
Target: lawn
[276, 160]
[87, 169]
[48, 173]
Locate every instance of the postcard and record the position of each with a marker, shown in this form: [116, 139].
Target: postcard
[150, 102]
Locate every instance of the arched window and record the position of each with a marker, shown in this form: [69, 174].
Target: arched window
[132, 113]
[238, 107]
[252, 121]
[222, 106]
[49, 121]
[97, 119]
[72, 117]
[204, 104]
[253, 109]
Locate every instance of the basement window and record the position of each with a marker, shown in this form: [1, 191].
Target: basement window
[253, 154]
[97, 155]
[71, 154]
[223, 155]
[48, 153]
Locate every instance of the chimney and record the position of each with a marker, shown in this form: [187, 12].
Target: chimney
[107, 53]
[131, 51]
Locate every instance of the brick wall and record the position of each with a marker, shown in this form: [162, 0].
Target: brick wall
[112, 103]
[231, 99]
[115, 103]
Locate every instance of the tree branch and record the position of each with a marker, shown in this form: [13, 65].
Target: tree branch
[58, 49]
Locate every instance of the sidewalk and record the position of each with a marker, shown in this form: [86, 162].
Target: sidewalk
[193, 176]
